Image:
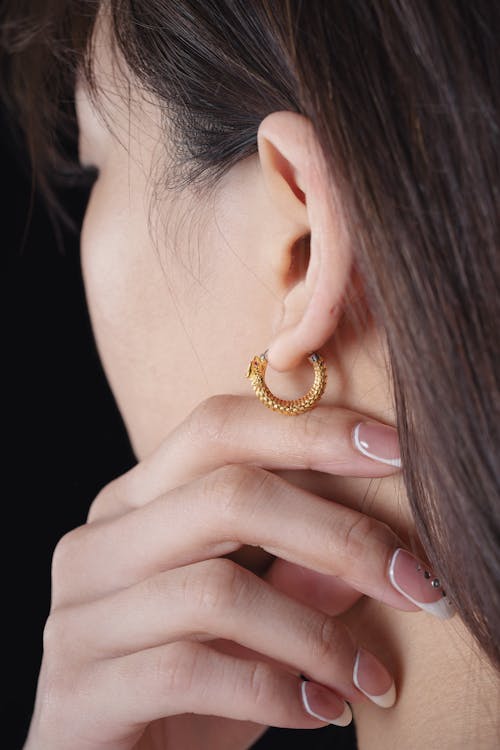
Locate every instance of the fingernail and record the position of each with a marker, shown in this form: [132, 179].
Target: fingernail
[377, 441]
[372, 678]
[325, 705]
[418, 583]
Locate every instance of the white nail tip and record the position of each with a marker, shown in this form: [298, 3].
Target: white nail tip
[441, 609]
[343, 720]
[385, 700]
[363, 448]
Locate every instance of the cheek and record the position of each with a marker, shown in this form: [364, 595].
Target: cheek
[107, 245]
[174, 323]
[141, 341]
[115, 273]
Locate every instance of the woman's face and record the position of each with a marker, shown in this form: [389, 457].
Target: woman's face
[179, 289]
[185, 288]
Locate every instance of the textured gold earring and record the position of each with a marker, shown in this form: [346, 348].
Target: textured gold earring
[257, 370]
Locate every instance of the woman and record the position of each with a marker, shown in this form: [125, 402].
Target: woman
[281, 179]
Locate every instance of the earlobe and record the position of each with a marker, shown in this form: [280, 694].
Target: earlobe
[295, 171]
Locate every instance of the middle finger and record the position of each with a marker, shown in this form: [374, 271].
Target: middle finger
[216, 515]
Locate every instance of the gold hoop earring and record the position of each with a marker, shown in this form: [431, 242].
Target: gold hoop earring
[257, 370]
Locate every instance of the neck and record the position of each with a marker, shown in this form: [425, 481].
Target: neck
[448, 693]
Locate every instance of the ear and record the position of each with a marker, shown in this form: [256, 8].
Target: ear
[299, 185]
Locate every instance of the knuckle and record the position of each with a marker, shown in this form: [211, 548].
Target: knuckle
[215, 585]
[360, 535]
[154, 588]
[209, 419]
[312, 428]
[221, 485]
[66, 551]
[103, 502]
[58, 635]
[52, 633]
[328, 639]
[260, 683]
[177, 667]
[235, 487]
[224, 487]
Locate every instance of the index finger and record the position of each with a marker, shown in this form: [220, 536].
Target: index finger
[227, 429]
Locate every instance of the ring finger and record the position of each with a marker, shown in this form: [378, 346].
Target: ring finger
[219, 599]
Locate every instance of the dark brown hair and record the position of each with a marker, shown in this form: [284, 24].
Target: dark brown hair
[404, 97]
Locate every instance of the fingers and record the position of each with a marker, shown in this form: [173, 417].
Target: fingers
[216, 599]
[233, 429]
[189, 677]
[214, 516]
[328, 593]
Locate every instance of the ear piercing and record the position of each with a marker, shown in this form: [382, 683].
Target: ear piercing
[257, 370]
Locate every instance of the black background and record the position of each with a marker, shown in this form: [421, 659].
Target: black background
[64, 437]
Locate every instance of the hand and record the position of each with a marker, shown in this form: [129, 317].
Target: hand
[155, 640]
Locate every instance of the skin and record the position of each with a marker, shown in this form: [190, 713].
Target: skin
[184, 289]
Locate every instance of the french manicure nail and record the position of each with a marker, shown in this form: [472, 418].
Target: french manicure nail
[377, 441]
[325, 705]
[372, 678]
[418, 583]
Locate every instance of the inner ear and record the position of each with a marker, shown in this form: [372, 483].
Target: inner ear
[283, 167]
[300, 255]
